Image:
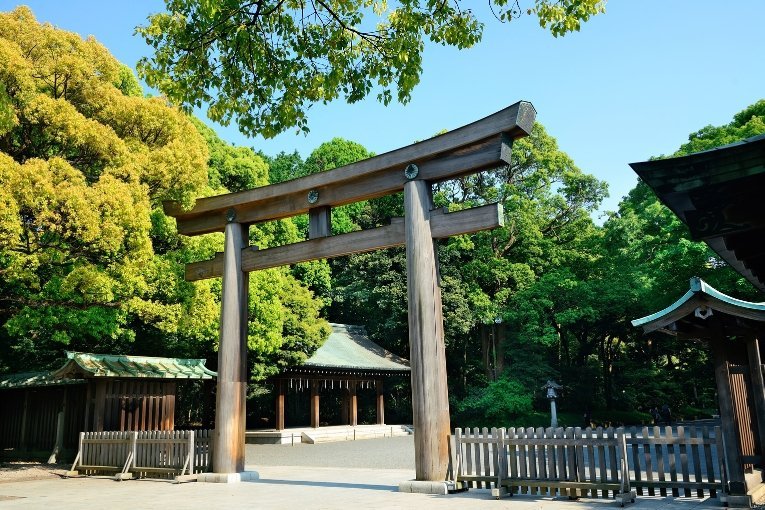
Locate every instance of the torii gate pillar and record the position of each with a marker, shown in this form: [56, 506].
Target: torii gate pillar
[231, 393]
[430, 397]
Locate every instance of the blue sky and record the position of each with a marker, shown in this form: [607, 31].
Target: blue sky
[632, 84]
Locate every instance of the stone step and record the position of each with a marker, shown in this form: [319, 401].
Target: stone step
[326, 434]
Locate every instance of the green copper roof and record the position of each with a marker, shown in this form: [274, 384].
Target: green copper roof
[701, 295]
[84, 364]
[348, 348]
[33, 380]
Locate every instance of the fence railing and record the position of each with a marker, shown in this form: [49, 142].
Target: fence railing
[143, 454]
[578, 462]
[569, 462]
[687, 459]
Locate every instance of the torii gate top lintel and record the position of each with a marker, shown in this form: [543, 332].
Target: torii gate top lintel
[471, 148]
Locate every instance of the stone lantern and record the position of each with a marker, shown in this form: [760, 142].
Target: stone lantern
[551, 388]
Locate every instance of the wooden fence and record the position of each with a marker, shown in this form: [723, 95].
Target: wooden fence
[144, 454]
[569, 462]
[676, 459]
[591, 462]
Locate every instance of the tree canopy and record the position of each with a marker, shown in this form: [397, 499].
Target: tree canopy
[88, 260]
[82, 164]
[264, 63]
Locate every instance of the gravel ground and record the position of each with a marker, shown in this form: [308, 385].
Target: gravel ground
[19, 471]
[383, 453]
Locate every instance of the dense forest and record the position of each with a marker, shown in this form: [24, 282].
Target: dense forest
[89, 261]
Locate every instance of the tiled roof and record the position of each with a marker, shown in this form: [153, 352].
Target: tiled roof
[33, 380]
[348, 347]
[701, 294]
[83, 365]
[108, 365]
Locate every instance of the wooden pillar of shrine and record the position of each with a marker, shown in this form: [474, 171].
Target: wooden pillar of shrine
[345, 407]
[230, 397]
[354, 401]
[315, 404]
[729, 423]
[430, 398]
[88, 403]
[24, 421]
[758, 392]
[279, 425]
[380, 402]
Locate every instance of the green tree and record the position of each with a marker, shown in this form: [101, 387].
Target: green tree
[646, 259]
[283, 166]
[747, 123]
[82, 164]
[232, 168]
[88, 260]
[263, 63]
[547, 201]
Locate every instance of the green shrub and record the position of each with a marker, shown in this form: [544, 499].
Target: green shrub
[496, 405]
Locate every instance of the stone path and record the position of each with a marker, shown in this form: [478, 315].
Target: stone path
[355, 475]
[287, 487]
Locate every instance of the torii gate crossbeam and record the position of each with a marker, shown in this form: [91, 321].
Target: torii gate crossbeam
[412, 169]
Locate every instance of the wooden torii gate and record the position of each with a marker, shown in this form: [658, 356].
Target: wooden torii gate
[482, 145]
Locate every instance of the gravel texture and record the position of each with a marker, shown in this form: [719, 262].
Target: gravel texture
[19, 471]
[383, 453]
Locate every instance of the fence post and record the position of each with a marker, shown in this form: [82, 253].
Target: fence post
[134, 447]
[626, 488]
[501, 462]
[78, 458]
[189, 461]
[721, 460]
[192, 451]
[458, 451]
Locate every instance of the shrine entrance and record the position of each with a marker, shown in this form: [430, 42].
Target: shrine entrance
[482, 145]
[733, 329]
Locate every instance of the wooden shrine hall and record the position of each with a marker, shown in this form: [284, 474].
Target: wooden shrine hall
[44, 412]
[718, 194]
[346, 362]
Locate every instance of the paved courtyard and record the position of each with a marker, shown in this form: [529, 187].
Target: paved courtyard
[359, 475]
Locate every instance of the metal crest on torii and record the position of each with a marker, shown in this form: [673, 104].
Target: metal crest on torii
[482, 145]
